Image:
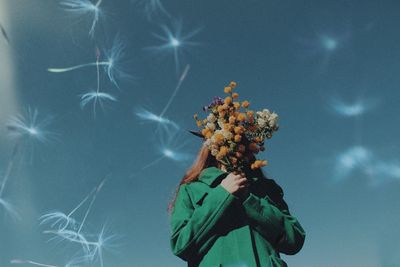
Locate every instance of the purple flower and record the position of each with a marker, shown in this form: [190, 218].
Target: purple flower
[216, 102]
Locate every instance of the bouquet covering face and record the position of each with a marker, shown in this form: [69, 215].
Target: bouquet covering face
[232, 131]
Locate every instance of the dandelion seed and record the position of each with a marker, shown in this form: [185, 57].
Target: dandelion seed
[96, 98]
[19, 261]
[174, 41]
[111, 64]
[84, 7]
[169, 146]
[26, 129]
[30, 126]
[160, 119]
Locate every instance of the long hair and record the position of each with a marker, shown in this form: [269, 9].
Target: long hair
[204, 160]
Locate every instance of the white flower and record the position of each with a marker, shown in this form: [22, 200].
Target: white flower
[211, 117]
[261, 122]
[207, 142]
[214, 152]
[221, 122]
[266, 112]
[273, 120]
[211, 126]
[227, 135]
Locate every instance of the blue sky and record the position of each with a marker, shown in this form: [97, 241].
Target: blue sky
[328, 68]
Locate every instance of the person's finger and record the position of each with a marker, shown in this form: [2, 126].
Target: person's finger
[243, 181]
[244, 188]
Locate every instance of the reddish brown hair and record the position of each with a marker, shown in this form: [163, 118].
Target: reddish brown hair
[204, 160]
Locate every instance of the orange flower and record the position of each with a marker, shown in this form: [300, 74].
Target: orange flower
[238, 138]
[245, 104]
[195, 116]
[228, 100]
[257, 139]
[235, 95]
[258, 164]
[223, 150]
[220, 108]
[239, 129]
[204, 131]
[253, 147]
[233, 84]
[219, 137]
[241, 117]
[236, 105]
[232, 119]
[228, 89]
[198, 123]
[250, 113]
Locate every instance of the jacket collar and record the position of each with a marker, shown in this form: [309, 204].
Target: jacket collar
[210, 174]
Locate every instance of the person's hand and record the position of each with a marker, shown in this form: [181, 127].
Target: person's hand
[236, 184]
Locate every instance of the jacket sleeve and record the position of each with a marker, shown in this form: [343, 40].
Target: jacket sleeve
[275, 224]
[192, 227]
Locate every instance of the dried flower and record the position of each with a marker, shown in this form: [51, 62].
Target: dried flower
[231, 132]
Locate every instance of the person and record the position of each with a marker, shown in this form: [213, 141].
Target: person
[221, 219]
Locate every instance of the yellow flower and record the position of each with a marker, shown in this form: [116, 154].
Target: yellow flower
[195, 116]
[228, 100]
[223, 150]
[257, 139]
[250, 113]
[245, 104]
[220, 108]
[235, 95]
[228, 89]
[241, 117]
[232, 119]
[219, 137]
[204, 131]
[238, 138]
[236, 105]
[208, 134]
[233, 84]
[198, 123]
[258, 164]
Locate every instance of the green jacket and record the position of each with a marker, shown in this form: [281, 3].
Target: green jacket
[213, 228]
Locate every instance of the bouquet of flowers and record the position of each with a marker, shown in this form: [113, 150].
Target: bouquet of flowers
[232, 130]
